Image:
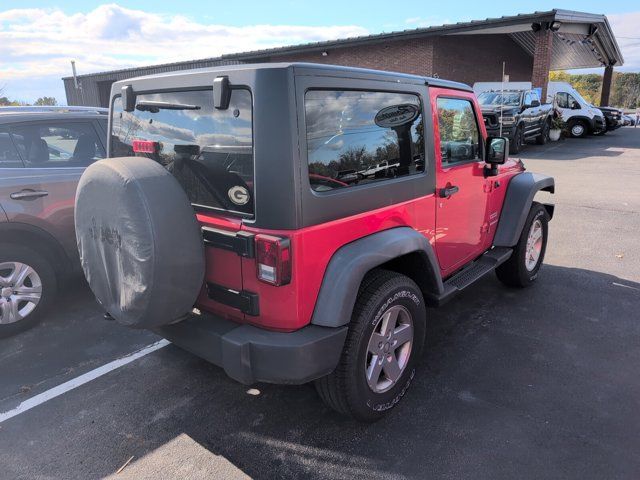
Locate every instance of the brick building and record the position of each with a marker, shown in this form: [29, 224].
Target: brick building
[530, 45]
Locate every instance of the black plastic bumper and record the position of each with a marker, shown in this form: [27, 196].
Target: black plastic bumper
[249, 354]
[598, 124]
[506, 132]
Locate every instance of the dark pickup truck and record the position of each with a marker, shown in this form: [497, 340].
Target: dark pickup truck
[522, 114]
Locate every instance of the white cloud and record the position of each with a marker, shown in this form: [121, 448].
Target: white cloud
[625, 28]
[37, 43]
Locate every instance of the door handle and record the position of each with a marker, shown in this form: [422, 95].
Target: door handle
[447, 191]
[28, 194]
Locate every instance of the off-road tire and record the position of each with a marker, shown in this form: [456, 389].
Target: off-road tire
[518, 140]
[346, 389]
[42, 266]
[577, 133]
[514, 272]
[544, 134]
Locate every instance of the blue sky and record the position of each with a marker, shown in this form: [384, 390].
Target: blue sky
[39, 38]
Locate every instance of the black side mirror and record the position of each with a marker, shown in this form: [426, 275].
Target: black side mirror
[575, 106]
[535, 103]
[496, 150]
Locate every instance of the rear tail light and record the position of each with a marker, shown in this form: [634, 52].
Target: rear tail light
[145, 146]
[273, 256]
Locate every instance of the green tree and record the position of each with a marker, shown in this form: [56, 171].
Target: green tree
[42, 101]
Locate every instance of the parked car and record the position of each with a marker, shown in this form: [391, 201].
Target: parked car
[325, 281]
[520, 113]
[613, 118]
[43, 152]
[581, 117]
[629, 120]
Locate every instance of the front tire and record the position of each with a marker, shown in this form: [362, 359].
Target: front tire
[384, 343]
[521, 270]
[518, 140]
[544, 135]
[578, 129]
[27, 286]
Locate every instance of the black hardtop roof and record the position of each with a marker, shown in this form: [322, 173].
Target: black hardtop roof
[28, 113]
[304, 69]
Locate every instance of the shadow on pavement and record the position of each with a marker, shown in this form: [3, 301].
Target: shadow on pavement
[536, 383]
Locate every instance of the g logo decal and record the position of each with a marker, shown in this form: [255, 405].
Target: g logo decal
[238, 195]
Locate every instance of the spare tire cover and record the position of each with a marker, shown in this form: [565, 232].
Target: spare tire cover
[140, 244]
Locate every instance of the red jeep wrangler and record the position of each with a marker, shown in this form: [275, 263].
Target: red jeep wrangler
[332, 207]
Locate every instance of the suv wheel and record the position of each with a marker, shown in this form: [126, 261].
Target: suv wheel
[578, 129]
[27, 283]
[521, 270]
[544, 135]
[385, 340]
[518, 140]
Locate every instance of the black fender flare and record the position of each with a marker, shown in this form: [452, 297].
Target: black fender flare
[517, 203]
[350, 263]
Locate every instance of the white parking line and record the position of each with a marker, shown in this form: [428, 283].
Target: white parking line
[81, 380]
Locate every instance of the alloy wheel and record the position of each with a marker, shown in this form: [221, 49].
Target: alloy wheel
[389, 349]
[534, 245]
[20, 291]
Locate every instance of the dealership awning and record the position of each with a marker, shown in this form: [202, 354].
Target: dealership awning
[580, 40]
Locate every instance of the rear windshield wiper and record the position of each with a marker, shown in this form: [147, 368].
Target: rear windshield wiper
[156, 106]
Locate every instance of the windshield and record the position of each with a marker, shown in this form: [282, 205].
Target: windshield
[209, 151]
[511, 99]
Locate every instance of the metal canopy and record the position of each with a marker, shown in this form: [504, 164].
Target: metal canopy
[583, 40]
[580, 40]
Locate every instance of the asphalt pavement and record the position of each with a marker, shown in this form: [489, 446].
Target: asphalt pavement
[536, 383]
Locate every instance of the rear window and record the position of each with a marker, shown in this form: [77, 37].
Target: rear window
[209, 151]
[361, 137]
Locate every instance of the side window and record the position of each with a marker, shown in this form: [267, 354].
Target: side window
[527, 98]
[534, 96]
[57, 144]
[459, 134]
[359, 137]
[9, 157]
[562, 99]
[573, 103]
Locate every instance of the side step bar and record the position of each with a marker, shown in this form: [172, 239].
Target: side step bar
[487, 263]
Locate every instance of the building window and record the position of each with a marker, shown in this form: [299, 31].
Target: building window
[358, 137]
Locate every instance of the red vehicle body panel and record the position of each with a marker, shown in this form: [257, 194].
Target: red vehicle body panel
[460, 228]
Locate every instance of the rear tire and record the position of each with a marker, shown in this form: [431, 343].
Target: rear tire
[27, 287]
[521, 270]
[383, 345]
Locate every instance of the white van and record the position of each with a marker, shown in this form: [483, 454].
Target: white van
[582, 118]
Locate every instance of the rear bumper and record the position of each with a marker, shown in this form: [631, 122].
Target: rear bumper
[249, 354]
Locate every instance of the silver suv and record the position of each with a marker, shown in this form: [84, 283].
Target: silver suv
[43, 152]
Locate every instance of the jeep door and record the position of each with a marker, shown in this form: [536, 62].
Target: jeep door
[460, 183]
[39, 184]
